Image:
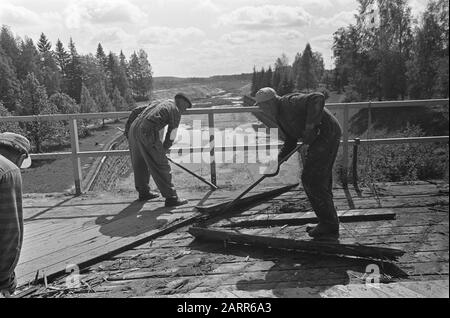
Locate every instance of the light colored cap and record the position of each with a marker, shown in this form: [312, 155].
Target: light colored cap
[19, 143]
[265, 94]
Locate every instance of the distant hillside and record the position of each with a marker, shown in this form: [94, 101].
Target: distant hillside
[229, 83]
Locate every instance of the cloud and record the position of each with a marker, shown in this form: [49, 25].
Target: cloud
[268, 16]
[168, 36]
[102, 12]
[11, 14]
[262, 37]
[112, 35]
[341, 19]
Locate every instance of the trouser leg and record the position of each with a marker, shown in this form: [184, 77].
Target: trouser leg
[141, 173]
[159, 167]
[317, 179]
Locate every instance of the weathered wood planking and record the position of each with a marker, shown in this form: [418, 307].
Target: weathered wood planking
[427, 289]
[88, 228]
[308, 217]
[283, 243]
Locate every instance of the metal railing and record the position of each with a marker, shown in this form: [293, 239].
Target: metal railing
[75, 154]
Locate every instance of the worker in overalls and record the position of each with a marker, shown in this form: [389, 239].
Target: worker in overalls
[304, 117]
[14, 156]
[148, 152]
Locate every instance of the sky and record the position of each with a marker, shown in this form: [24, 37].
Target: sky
[189, 38]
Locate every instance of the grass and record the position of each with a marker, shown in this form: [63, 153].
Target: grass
[46, 176]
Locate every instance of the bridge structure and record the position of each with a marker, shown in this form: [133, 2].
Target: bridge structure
[108, 245]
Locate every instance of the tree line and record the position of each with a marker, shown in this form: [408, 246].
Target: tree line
[305, 73]
[42, 79]
[389, 55]
[385, 55]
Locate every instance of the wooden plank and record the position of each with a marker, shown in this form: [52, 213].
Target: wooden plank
[283, 243]
[426, 289]
[245, 202]
[346, 216]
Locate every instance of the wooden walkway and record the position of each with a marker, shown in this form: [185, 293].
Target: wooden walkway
[61, 231]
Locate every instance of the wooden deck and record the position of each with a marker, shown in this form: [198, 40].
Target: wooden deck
[65, 230]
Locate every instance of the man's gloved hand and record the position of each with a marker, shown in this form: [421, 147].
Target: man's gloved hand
[167, 145]
[272, 169]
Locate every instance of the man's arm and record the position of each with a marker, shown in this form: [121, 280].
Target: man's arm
[289, 145]
[174, 123]
[315, 104]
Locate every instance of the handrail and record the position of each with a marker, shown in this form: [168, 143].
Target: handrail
[226, 109]
[75, 154]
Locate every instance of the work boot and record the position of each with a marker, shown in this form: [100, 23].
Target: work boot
[148, 196]
[324, 231]
[175, 201]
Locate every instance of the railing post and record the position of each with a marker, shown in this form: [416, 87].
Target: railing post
[212, 153]
[75, 159]
[345, 146]
[355, 162]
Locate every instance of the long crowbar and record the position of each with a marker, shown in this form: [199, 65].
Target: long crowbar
[194, 174]
[187, 170]
[232, 203]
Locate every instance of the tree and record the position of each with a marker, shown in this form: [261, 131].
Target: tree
[117, 75]
[102, 100]
[8, 126]
[101, 56]
[9, 84]
[254, 88]
[62, 57]
[87, 104]
[10, 45]
[28, 60]
[428, 67]
[44, 46]
[118, 102]
[74, 73]
[307, 77]
[286, 86]
[35, 102]
[64, 103]
[268, 77]
[50, 75]
[141, 75]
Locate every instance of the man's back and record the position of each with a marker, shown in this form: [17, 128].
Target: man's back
[162, 113]
[296, 110]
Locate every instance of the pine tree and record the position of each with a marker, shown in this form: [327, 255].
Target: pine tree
[87, 104]
[101, 56]
[44, 45]
[28, 60]
[118, 101]
[9, 84]
[103, 102]
[268, 77]
[35, 102]
[141, 75]
[62, 57]
[254, 88]
[50, 75]
[74, 73]
[10, 45]
[306, 78]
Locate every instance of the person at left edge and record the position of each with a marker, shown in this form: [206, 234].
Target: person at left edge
[14, 155]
